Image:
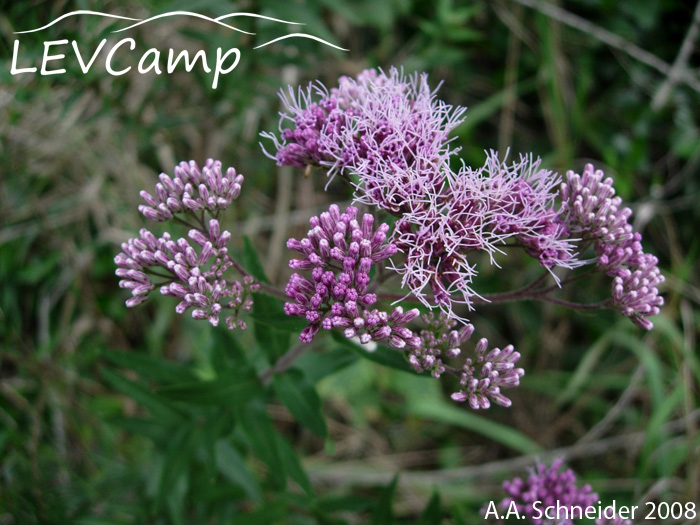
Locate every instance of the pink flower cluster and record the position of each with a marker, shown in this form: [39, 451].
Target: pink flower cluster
[592, 211]
[192, 190]
[340, 252]
[497, 372]
[390, 132]
[551, 488]
[480, 210]
[440, 342]
[194, 274]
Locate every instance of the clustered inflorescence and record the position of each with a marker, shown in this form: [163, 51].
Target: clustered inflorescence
[496, 370]
[340, 252]
[388, 135]
[593, 212]
[550, 487]
[192, 274]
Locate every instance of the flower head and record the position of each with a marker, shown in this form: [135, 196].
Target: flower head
[388, 131]
[191, 269]
[196, 273]
[192, 190]
[550, 487]
[635, 293]
[440, 341]
[591, 209]
[496, 372]
[340, 251]
[395, 141]
[479, 211]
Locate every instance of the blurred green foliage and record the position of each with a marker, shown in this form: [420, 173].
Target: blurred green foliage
[109, 416]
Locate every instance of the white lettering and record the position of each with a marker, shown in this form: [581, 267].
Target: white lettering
[48, 57]
[491, 511]
[154, 65]
[14, 69]
[220, 62]
[611, 510]
[172, 63]
[537, 509]
[108, 64]
[512, 509]
[546, 512]
[92, 60]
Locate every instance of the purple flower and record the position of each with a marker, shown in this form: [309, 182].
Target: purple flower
[192, 190]
[434, 261]
[499, 202]
[195, 274]
[387, 130]
[551, 488]
[340, 252]
[480, 210]
[191, 269]
[497, 371]
[301, 144]
[395, 141]
[635, 293]
[439, 341]
[591, 210]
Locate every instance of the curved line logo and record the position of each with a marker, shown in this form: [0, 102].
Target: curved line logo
[224, 63]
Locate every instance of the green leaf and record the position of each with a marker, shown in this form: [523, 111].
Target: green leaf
[382, 514]
[271, 512]
[452, 415]
[178, 456]
[261, 433]
[160, 408]
[293, 465]
[232, 466]
[149, 367]
[232, 388]
[316, 366]
[382, 355]
[149, 428]
[432, 514]
[345, 503]
[269, 311]
[224, 350]
[301, 399]
[215, 424]
[251, 261]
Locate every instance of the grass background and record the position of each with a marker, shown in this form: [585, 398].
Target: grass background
[613, 83]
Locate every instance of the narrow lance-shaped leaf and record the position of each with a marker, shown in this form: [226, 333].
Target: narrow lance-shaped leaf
[301, 399]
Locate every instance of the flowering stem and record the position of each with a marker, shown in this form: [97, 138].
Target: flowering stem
[284, 362]
[169, 278]
[188, 224]
[272, 290]
[523, 294]
[575, 306]
[488, 298]
[567, 281]
[264, 287]
[515, 294]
